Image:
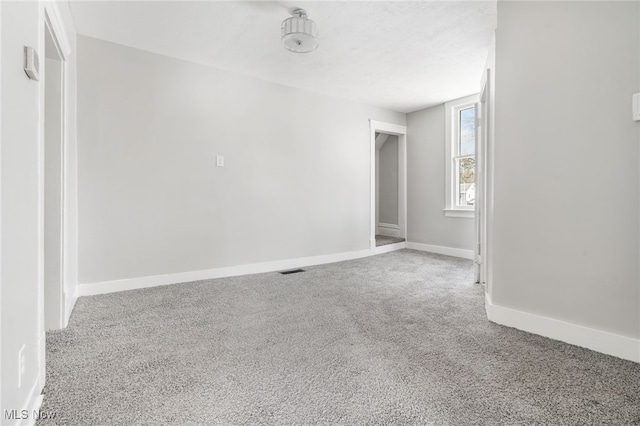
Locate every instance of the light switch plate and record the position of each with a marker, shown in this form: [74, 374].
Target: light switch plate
[220, 161]
[636, 106]
[31, 63]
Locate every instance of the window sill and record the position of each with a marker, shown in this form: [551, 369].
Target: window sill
[465, 214]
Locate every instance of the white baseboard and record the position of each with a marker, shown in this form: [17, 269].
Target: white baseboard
[388, 225]
[389, 230]
[389, 248]
[232, 271]
[590, 338]
[449, 251]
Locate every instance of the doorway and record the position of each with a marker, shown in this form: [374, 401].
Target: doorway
[53, 155]
[388, 184]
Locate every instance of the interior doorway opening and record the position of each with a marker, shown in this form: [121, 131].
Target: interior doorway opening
[387, 190]
[388, 184]
[53, 154]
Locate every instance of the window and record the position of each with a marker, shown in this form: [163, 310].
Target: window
[460, 121]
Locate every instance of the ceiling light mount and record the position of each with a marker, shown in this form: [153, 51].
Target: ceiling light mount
[299, 33]
[300, 13]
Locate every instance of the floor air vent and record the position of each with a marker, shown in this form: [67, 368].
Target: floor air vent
[293, 271]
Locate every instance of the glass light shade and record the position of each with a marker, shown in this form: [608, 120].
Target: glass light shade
[299, 35]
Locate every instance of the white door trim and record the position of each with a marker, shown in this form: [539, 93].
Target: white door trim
[482, 190]
[485, 161]
[1, 189]
[51, 22]
[401, 132]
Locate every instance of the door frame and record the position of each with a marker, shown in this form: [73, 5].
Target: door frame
[51, 23]
[483, 190]
[401, 132]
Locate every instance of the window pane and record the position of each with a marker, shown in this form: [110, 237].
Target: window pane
[467, 131]
[466, 181]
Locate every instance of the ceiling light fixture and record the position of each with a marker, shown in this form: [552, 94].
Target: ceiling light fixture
[299, 33]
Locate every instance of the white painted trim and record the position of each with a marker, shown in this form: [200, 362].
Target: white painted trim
[231, 271]
[389, 231]
[388, 226]
[41, 327]
[373, 195]
[465, 214]
[402, 186]
[482, 133]
[377, 186]
[448, 251]
[1, 283]
[590, 338]
[390, 128]
[450, 136]
[389, 248]
[52, 23]
[34, 402]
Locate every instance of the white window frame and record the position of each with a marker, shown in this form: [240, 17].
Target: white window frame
[452, 125]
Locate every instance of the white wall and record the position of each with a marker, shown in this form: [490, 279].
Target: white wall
[388, 181]
[295, 181]
[22, 105]
[566, 237]
[20, 135]
[426, 184]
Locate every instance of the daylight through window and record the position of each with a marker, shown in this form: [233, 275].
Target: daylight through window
[460, 148]
[465, 158]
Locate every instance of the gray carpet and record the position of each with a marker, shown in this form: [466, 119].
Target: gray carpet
[383, 240]
[399, 338]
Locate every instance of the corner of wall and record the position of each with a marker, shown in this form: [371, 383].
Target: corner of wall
[71, 303]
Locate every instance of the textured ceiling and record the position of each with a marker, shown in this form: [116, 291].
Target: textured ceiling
[399, 55]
